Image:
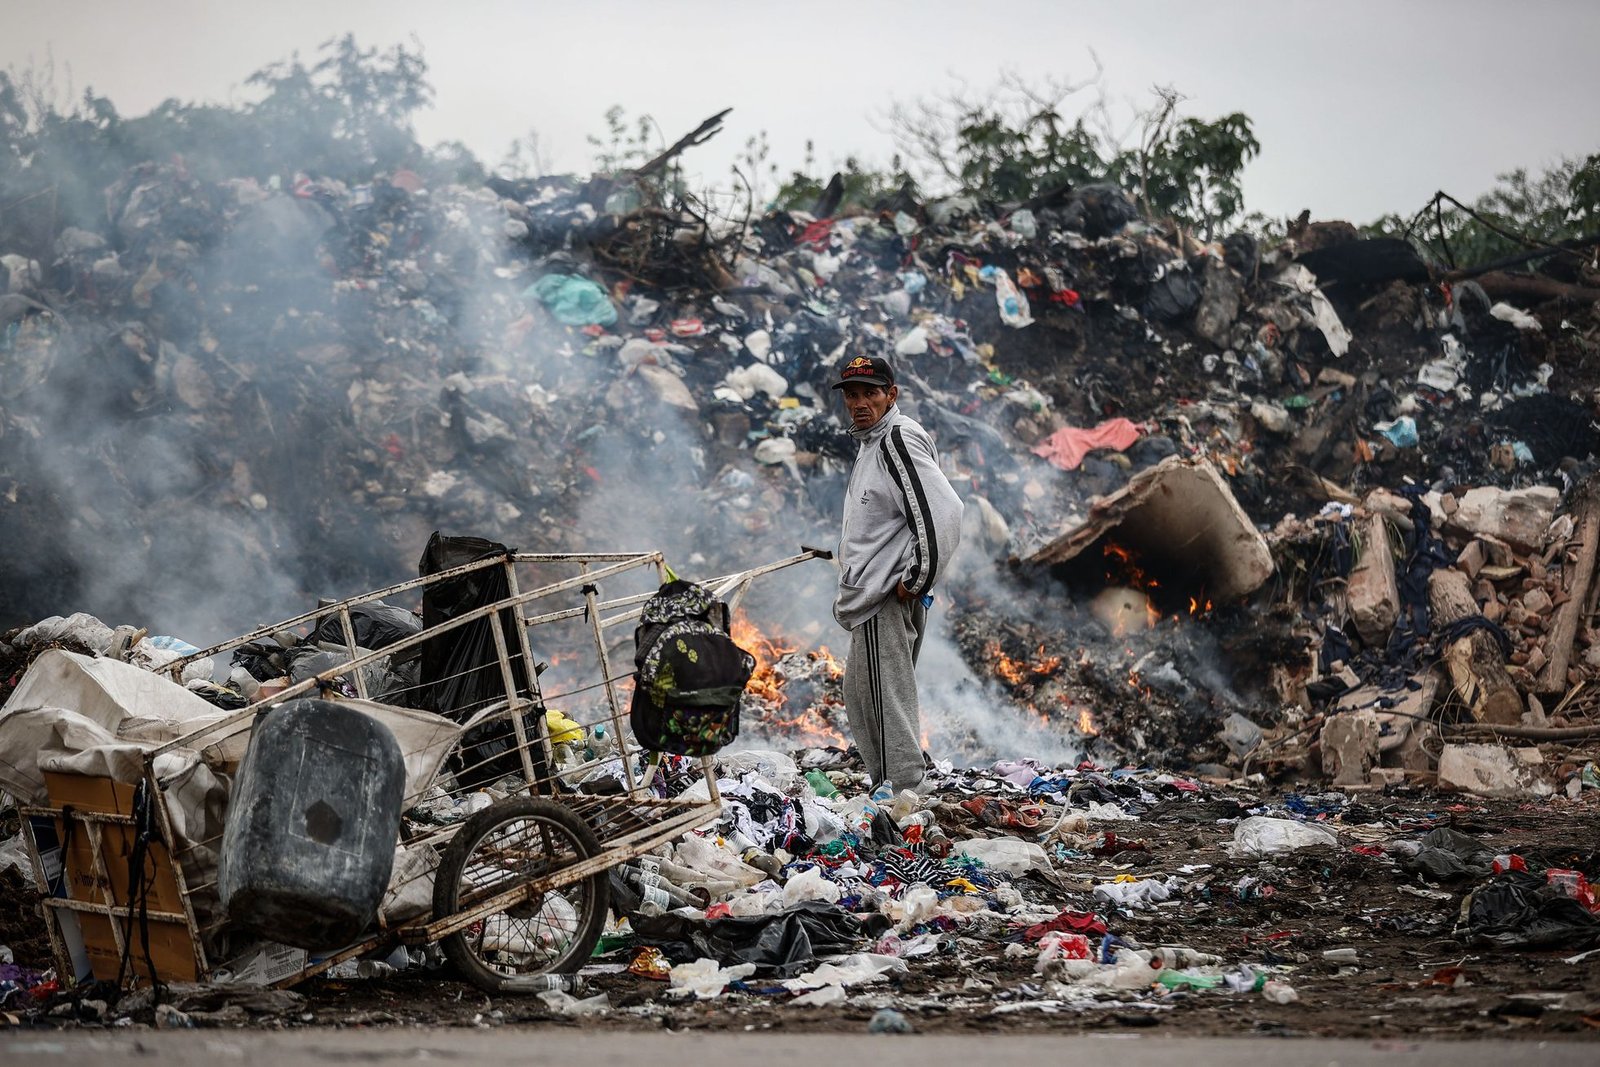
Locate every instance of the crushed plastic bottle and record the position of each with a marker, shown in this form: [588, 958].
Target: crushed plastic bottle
[1279, 992]
[1177, 957]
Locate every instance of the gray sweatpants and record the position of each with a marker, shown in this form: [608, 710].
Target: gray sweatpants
[880, 693]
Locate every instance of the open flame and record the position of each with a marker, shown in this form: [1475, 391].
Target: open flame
[1086, 723]
[764, 681]
[1129, 599]
[809, 725]
[1015, 672]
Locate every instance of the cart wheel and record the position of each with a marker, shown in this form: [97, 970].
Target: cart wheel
[508, 843]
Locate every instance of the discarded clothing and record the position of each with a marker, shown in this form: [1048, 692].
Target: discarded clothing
[1067, 446]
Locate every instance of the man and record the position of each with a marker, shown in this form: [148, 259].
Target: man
[902, 522]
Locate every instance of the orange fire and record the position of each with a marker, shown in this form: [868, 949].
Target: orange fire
[1123, 570]
[809, 726]
[1017, 671]
[764, 681]
[1086, 723]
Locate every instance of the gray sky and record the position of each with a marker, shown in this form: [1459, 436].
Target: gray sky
[1361, 107]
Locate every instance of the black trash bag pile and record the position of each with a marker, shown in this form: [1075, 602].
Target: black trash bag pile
[781, 945]
[1516, 909]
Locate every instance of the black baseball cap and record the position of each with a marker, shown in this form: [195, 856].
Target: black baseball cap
[867, 370]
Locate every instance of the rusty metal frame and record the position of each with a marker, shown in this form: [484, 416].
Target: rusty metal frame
[676, 817]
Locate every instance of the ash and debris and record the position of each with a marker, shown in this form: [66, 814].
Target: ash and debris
[231, 398]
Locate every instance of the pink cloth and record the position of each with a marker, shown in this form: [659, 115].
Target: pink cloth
[1067, 446]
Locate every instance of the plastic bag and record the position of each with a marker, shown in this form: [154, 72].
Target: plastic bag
[919, 904]
[1005, 854]
[1261, 836]
[376, 625]
[572, 300]
[1133, 895]
[706, 978]
[810, 885]
[1014, 311]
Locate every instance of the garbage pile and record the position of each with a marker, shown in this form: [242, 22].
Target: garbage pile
[1018, 893]
[234, 397]
[1019, 887]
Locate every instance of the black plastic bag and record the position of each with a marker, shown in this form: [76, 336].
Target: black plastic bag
[376, 625]
[1448, 855]
[781, 945]
[461, 667]
[1517, 910]
[1173, 295]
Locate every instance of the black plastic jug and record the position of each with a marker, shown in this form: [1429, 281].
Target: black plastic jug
[312, 825]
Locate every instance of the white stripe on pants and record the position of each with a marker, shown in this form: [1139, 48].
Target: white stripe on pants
[880, 692]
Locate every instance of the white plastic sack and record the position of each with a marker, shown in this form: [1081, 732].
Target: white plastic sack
[919, 904]
[79, 627]
[1108, 813]
[14, 853]
[821, 997]
[810, 885]
[775, 450]
[1298, 276]
[1133, 895]
[1008, 855]
[1263, 836]
[756, 378]
[567, 1004]
[859, 968]
[913, 343]
[759, 342]
[1515, 316]
[1014, 310]
[706, 978]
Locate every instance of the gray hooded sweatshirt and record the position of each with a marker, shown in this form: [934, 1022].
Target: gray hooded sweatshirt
[902, 519]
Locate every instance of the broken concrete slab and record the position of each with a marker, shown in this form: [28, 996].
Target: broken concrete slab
[1372, 591]
[1492, 770]
[1181, 518]
[1519, 517]
[1350, 747]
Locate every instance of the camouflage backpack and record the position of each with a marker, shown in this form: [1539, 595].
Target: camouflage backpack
[691, 674]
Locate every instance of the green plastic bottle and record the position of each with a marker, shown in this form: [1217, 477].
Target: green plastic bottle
[819, 783]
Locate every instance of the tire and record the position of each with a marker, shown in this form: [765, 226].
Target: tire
[553, 933]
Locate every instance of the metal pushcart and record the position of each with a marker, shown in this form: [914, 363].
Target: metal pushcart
[505, 853]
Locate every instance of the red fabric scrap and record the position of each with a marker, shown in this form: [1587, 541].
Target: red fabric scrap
[817, 233]
[1067, 446]
[1073, 921]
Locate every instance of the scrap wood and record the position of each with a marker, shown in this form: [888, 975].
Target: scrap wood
[699, 135]
[1505, 286]
[1475, 663]
[1576, 584]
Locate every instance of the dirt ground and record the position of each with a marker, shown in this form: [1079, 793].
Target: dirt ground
[1413, 977]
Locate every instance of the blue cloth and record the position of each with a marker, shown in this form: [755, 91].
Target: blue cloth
[573, 300]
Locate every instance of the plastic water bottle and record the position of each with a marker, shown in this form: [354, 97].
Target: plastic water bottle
[872, 805]
[1279, 992]
[1177, 957]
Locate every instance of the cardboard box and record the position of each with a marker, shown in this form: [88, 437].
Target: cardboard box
[102, 795]
[170, 949]
[88, 793]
